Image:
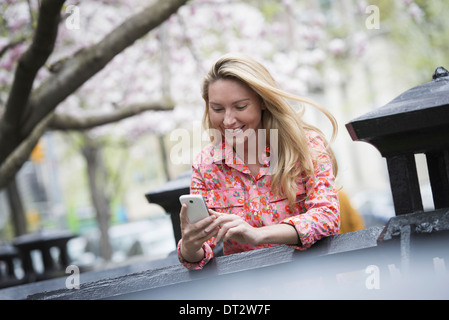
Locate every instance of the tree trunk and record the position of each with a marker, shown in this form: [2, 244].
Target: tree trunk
[164, 157]
[165, 88]
[100, 199]
[17, 212]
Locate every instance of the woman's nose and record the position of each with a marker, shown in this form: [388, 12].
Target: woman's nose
[229, 120]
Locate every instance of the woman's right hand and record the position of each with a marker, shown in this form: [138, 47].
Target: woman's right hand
[194, 235]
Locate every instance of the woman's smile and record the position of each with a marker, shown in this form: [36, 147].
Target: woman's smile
[234, 131]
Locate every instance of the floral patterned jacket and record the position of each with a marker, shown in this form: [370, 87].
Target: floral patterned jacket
[228, 186]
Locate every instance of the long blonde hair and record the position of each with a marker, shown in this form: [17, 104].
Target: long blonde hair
[292, 142]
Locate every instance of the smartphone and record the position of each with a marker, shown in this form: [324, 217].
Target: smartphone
[196, 207]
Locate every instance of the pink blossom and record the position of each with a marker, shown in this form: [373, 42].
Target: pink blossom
[415, 12]
[337, 46]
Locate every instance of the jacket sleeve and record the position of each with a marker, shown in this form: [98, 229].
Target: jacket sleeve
[322, 216]
[197, 186]
[208, 255]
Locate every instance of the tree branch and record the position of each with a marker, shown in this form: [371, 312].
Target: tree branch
[16, 159]
[67, 122]
[11, 45]
[75, 71]
[24, 111]
[29, 63]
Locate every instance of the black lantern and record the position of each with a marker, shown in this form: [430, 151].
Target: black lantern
[417, 121]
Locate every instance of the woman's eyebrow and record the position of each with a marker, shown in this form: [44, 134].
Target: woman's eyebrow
[235, 102]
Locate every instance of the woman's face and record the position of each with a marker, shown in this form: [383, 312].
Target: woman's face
[234, 109]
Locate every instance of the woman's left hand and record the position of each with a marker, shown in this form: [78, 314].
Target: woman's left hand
[233, 227]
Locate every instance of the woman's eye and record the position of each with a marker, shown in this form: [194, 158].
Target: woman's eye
[216, 109]
[242, 107]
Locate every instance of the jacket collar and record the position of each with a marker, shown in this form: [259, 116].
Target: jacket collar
[223, 152]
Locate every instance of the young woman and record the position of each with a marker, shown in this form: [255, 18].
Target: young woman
[251, 204]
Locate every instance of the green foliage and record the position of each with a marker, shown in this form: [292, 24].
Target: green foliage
[270, 9]
[423, 41]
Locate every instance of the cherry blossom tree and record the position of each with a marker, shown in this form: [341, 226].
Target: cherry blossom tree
[36, 89]
[28, 111]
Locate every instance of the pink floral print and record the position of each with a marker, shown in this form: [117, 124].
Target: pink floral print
[228, 186]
